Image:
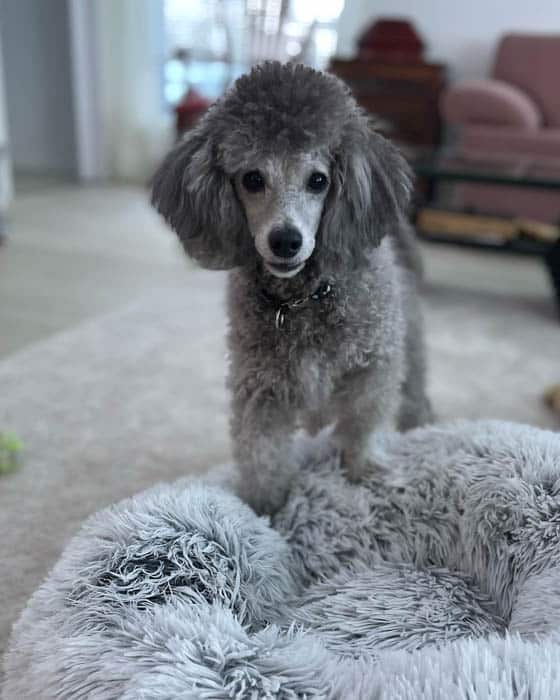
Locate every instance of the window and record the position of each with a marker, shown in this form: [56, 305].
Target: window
[209, 43]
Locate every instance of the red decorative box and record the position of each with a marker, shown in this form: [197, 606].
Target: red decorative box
[391, 41]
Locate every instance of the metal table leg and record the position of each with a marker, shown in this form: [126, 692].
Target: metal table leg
[552, 260]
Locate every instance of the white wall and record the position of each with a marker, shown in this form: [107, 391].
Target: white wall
[129, 51]
[461, 34]
[6, 180]
[38, 84]
[90, 128]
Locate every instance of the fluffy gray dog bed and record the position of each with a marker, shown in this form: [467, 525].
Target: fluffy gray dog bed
[437, 577]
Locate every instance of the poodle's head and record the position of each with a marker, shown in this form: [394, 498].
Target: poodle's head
[286, 166]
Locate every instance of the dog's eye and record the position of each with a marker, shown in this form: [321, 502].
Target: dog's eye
[317, 182]
[253, 181]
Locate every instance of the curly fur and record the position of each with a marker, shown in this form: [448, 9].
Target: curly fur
[355, 358]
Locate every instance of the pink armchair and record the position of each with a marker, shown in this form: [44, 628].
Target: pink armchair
[515, 114]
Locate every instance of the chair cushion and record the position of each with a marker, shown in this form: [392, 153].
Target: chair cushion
[490, 102]
[530, 63]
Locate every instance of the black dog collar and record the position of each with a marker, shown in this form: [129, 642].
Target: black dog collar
[281, 308]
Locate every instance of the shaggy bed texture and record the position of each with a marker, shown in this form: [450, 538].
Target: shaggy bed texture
[437, 576]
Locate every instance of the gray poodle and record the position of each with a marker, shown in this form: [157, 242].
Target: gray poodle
[285, 183]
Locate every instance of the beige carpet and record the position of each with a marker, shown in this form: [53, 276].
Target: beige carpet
[75, 252]
[138, 396]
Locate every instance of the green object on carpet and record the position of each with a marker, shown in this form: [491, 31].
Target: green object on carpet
[10, 450]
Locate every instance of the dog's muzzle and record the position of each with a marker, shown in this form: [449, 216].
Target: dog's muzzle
[285, 241]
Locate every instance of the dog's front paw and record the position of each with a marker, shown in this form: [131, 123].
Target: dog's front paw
[357, 465]
[354, 466]
[264, 497]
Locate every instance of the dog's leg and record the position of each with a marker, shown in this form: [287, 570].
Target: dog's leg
[367, 400]
[261, 430]
[315, 421]
[415, 409]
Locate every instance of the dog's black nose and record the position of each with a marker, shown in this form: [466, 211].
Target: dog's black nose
[285, 241]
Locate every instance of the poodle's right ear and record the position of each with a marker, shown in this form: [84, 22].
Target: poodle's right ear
[196, 198]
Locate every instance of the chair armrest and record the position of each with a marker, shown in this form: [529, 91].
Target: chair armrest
[489, 103]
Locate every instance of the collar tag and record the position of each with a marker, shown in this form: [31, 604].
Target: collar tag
[322, 292]
[280, 317]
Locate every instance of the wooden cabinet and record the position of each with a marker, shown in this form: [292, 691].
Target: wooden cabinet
[404, 96]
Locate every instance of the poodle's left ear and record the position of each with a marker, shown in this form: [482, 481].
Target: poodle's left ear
[196, 198]
[370, 193]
